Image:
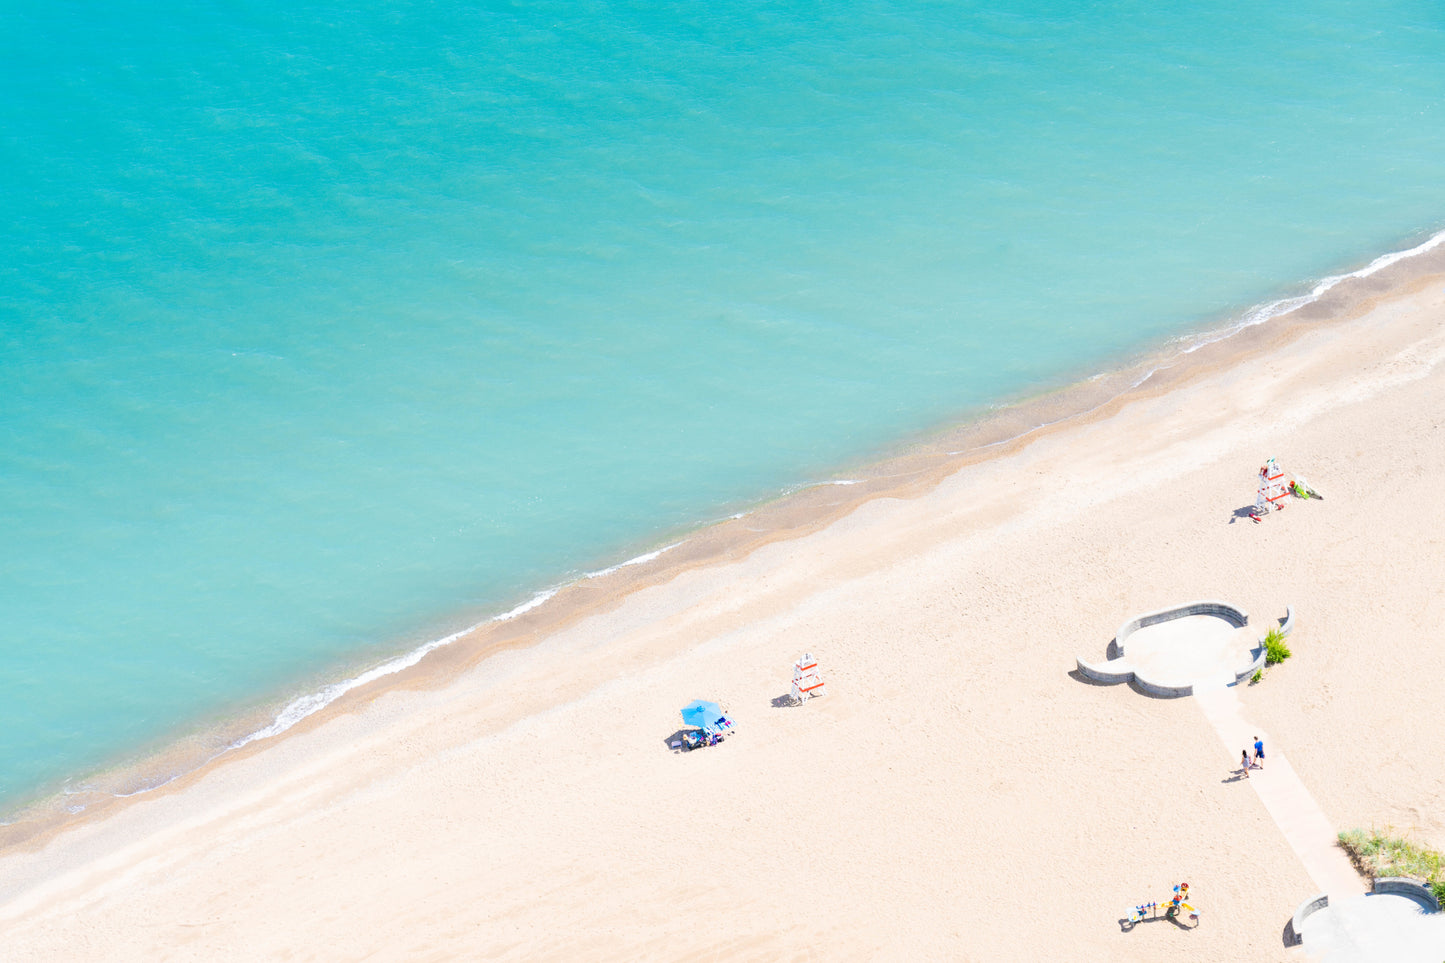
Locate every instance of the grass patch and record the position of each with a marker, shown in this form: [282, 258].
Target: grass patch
[1377, 854]
[1258, 674]
[1275, 650]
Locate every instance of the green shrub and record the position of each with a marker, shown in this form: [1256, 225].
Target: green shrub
[1275, 650]
[1377, 854]
[1258, 674]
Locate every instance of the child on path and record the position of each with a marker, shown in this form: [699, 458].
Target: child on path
[1244, 762]
[1259, 752]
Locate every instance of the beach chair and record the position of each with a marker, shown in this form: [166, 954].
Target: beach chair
[700, 738]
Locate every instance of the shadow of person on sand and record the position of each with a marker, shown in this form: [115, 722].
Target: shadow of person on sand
[1238, 775]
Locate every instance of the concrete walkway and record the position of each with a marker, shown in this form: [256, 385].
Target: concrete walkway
[1286, 799]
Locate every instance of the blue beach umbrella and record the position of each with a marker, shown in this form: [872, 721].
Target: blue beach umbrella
[702, 714]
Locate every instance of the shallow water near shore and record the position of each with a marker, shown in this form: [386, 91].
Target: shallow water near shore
[326, 333]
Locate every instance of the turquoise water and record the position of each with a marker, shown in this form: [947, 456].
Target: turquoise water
[326, 330]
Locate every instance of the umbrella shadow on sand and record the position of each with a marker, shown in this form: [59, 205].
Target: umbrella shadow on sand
[675, 742]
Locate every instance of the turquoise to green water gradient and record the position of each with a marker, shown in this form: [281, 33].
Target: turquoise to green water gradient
[326, 329]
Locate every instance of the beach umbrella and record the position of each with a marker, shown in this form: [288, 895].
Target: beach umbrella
[701, 713]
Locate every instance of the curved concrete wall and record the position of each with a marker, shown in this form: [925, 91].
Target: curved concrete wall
[1306, 909]
[1405, 886]
[1102, 673]
[1117, 668]
[1256, 664]
[1221, 610]
[1400, 885]
[1160, 691]
[1285, 624]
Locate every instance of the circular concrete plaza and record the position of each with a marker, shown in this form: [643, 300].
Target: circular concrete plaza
[1378, 928]
[1189, 650]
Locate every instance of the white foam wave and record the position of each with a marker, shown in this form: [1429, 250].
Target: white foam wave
[639, 560]
[314, 702]
[508, 616]
[1252, 317]
[804, 486]
[164, 782]
[1261, 313]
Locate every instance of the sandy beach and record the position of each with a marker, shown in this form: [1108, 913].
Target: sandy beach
[959, 794]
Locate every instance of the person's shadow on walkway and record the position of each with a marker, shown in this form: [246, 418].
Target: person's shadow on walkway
[1239, 775]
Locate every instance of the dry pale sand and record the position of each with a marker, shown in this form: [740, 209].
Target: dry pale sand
[958, 795]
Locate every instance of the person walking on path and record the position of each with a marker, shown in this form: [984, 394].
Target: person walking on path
[1258, 752]
[1244, 762]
